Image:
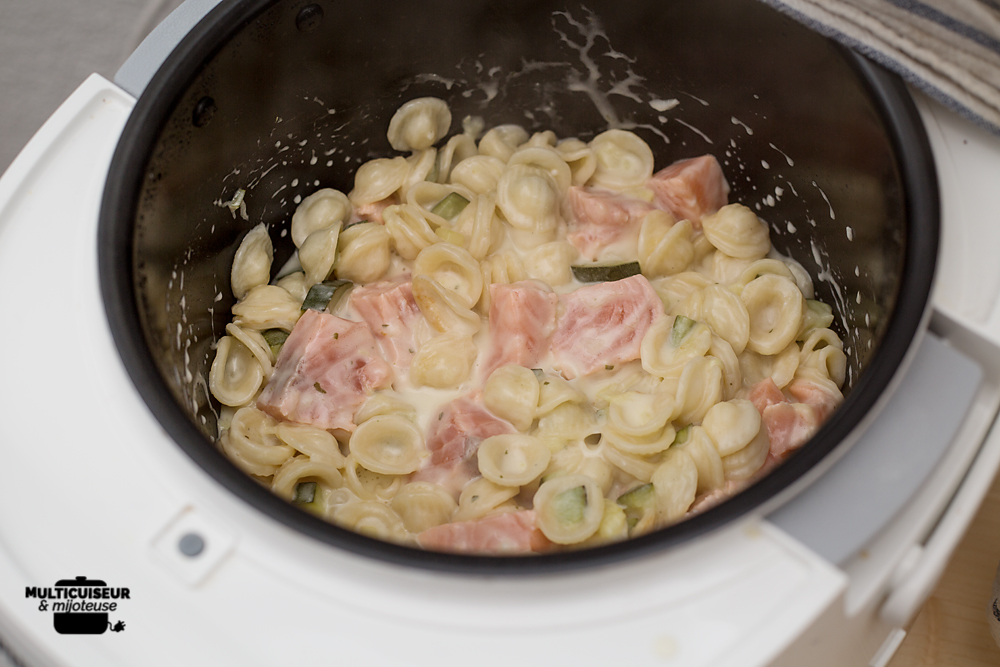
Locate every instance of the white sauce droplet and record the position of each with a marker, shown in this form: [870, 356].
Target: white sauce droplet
[664, 105]
[695, 130]
[737, 121]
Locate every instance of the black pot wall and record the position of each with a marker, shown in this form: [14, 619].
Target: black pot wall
[268, 97]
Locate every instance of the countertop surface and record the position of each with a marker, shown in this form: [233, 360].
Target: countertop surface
[951, 629]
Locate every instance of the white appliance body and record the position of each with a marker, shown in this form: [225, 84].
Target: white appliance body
[94, 487]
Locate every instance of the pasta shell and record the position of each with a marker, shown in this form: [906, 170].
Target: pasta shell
[501, 141]
[236, 374]
[569, 509]
[623, 160]
[511, 392]
[389, 445]
[737, 231]
[419, 124]
[512, 459]
[323, 208]
[252, 264]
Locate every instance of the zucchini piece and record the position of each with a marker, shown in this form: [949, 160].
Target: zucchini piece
[308, 497]
[325, 295]
[449, 207]
[817, 315]
[637, 503]
[682, 436]
[682, 327]
[305, 492]
[352, 224]
[601, 274]
[569, 505]
[275, 338]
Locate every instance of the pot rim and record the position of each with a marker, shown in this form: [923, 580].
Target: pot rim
[115, 261]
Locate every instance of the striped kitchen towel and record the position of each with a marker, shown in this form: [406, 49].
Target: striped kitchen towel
[950, 49]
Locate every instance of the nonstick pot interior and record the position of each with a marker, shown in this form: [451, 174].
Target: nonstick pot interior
[282, 98]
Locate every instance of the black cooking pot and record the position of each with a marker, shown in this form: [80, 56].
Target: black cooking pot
[282, 97]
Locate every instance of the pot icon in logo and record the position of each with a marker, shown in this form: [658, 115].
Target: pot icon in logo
[80, 623]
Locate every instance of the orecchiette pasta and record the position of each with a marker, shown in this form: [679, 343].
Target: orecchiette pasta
[444, 362]
[780, 368]
[252, 445]
[458, 148]
[388, 444]
[370, 485]
[323, 208]
[479, 173]
[267, 307]
[319, 252]
[317, 444]
[423, 505]
[364, 253]
[445, 310]
[454, 269]
[482, 496]
[501, 141]
[623, 160]
[378, 179]
[736, 231]
[529, 198]
[236, 374]
[511, 392]
[420, 164]
[675, 483]
[665, 247]
[722, 311]
[371, 518]
[254, 342]
[580, 158]
[569, 508]
[252, 264]
[408, 225]
[440, 362]
[513, 459]
[700, 447]
[551, 263]
[775, 307]
[419, 124]
[671, 342]
[384, 403]
[546, 159]
[296, 469]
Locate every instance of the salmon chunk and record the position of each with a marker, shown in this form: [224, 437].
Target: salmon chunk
[598, 219]
[327, 368]
[764, 394]
[393, 318]
[453, 440]
[522, 320]
[373, 212]
[603, 324]
[507, 533]
[822, 395]
[789, 426]
[691, 189]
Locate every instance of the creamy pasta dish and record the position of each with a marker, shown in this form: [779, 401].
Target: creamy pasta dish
[513, 343]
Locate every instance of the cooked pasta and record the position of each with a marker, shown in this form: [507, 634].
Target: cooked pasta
[522, 345]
